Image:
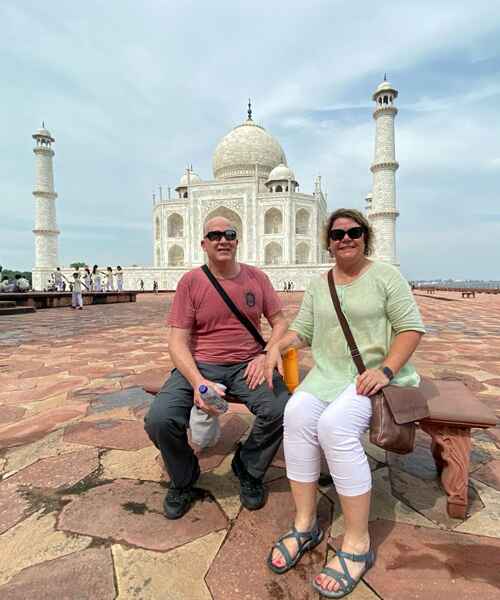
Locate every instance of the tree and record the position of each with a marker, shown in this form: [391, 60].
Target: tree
[77, 265]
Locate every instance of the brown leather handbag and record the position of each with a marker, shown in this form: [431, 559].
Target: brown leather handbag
[394, 408]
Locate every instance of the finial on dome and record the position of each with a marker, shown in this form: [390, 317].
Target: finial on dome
[43, 124]
[249, 110]
[385, 76]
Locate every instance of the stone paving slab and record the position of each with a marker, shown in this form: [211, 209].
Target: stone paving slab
[415, 563]
[109, 433]
[132, 512]
[34, 541]
[144, 575]
[86, 575]
[240, 569]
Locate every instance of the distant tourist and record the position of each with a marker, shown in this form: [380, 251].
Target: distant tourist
[141, 285]
[87, 279]
[76, 292]
[58, 279]
[22, 284]
[155, 286]
[109, 279]
[331, 409]
[6, 286]
[119, 278]
[96, 279]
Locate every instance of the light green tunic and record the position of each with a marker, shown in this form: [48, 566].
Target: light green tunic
[378, 305]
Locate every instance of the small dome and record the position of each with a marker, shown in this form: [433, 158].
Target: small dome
[43, 133]
[281, 173]
[385, 86]
[193, 178]
[242, 148]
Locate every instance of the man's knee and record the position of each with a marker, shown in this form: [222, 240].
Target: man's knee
[271, 406]
[162, 420]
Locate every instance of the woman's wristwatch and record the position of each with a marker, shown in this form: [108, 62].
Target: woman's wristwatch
[387, 372]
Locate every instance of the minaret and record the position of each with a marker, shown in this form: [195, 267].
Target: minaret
[46, 232]
[383, 211]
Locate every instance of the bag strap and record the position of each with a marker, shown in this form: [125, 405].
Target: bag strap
[351, 342]
[243, 319]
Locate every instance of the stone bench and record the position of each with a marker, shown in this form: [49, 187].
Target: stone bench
[469, 294]
[454, 411]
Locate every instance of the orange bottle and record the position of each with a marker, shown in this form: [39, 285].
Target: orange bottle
[291, 369]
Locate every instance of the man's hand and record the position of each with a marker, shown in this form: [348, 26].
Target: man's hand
[200, 403]
[273, 361]
[370, 382]
[254, 373]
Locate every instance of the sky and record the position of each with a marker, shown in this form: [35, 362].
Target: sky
[135, 91]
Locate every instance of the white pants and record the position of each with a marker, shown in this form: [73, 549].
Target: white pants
[97, 285]
[76, 299]
[119, 285]
[311, 424]
[205, 429]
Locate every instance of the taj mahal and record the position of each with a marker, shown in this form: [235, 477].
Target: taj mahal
[280, 228]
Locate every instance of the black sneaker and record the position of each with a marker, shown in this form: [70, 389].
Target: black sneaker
[252, 492]
[178, 501]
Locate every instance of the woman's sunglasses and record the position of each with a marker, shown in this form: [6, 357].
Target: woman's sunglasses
[338, 234]
[216, 236]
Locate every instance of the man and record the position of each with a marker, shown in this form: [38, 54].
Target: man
[58, 279]
[208, 345]
[22, 284]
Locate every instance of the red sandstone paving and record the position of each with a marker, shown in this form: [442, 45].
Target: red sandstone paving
[9, 414]
[240, 569]
[125, 342]
[417, 562]
[132, 512]
[86, 575]
[61, 471]
[33, 428]
[489, 474]
[108, 433]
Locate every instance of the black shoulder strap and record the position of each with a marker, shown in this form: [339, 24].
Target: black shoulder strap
[243, 319]
[351, 342]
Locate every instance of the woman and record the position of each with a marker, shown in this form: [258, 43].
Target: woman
[331, 409]
[96, 279]
[109, 279]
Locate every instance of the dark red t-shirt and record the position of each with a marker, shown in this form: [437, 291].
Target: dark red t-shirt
[216, 334]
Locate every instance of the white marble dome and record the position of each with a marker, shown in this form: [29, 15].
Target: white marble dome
[193, 178]
[281, 173]
[238, 152]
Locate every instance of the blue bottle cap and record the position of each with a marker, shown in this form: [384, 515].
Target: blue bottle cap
[203, 389]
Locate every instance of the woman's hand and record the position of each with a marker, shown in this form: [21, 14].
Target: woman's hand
[370, 382]
[273, 361]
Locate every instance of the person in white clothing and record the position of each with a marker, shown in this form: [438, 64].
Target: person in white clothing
[58, 279]
[119, 278]
[87, 278]
[96, 279]
[76, 293]
[109, 279]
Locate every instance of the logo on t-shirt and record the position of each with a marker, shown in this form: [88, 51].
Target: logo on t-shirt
[250, 299]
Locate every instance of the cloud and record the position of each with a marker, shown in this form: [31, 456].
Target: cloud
[133, 92]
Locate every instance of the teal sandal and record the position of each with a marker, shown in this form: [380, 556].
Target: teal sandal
[306, 540]
[347, 583]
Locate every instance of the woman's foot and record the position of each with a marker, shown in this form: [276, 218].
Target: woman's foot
[355, 568]
[296, 542]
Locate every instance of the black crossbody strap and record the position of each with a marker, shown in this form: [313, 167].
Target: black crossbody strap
[356, 356]
[243, 319]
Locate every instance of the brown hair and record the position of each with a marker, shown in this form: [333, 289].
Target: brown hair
[361, 220]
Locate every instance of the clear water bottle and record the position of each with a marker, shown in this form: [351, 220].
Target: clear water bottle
[212, 398]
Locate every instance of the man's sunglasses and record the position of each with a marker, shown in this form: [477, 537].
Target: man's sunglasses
[338, 234]
[216, 236]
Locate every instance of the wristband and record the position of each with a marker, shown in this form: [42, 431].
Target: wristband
[387, 372]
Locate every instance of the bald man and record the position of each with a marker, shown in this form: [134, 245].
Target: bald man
[208, 346]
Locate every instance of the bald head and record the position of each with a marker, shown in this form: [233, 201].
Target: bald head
[217, 223]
